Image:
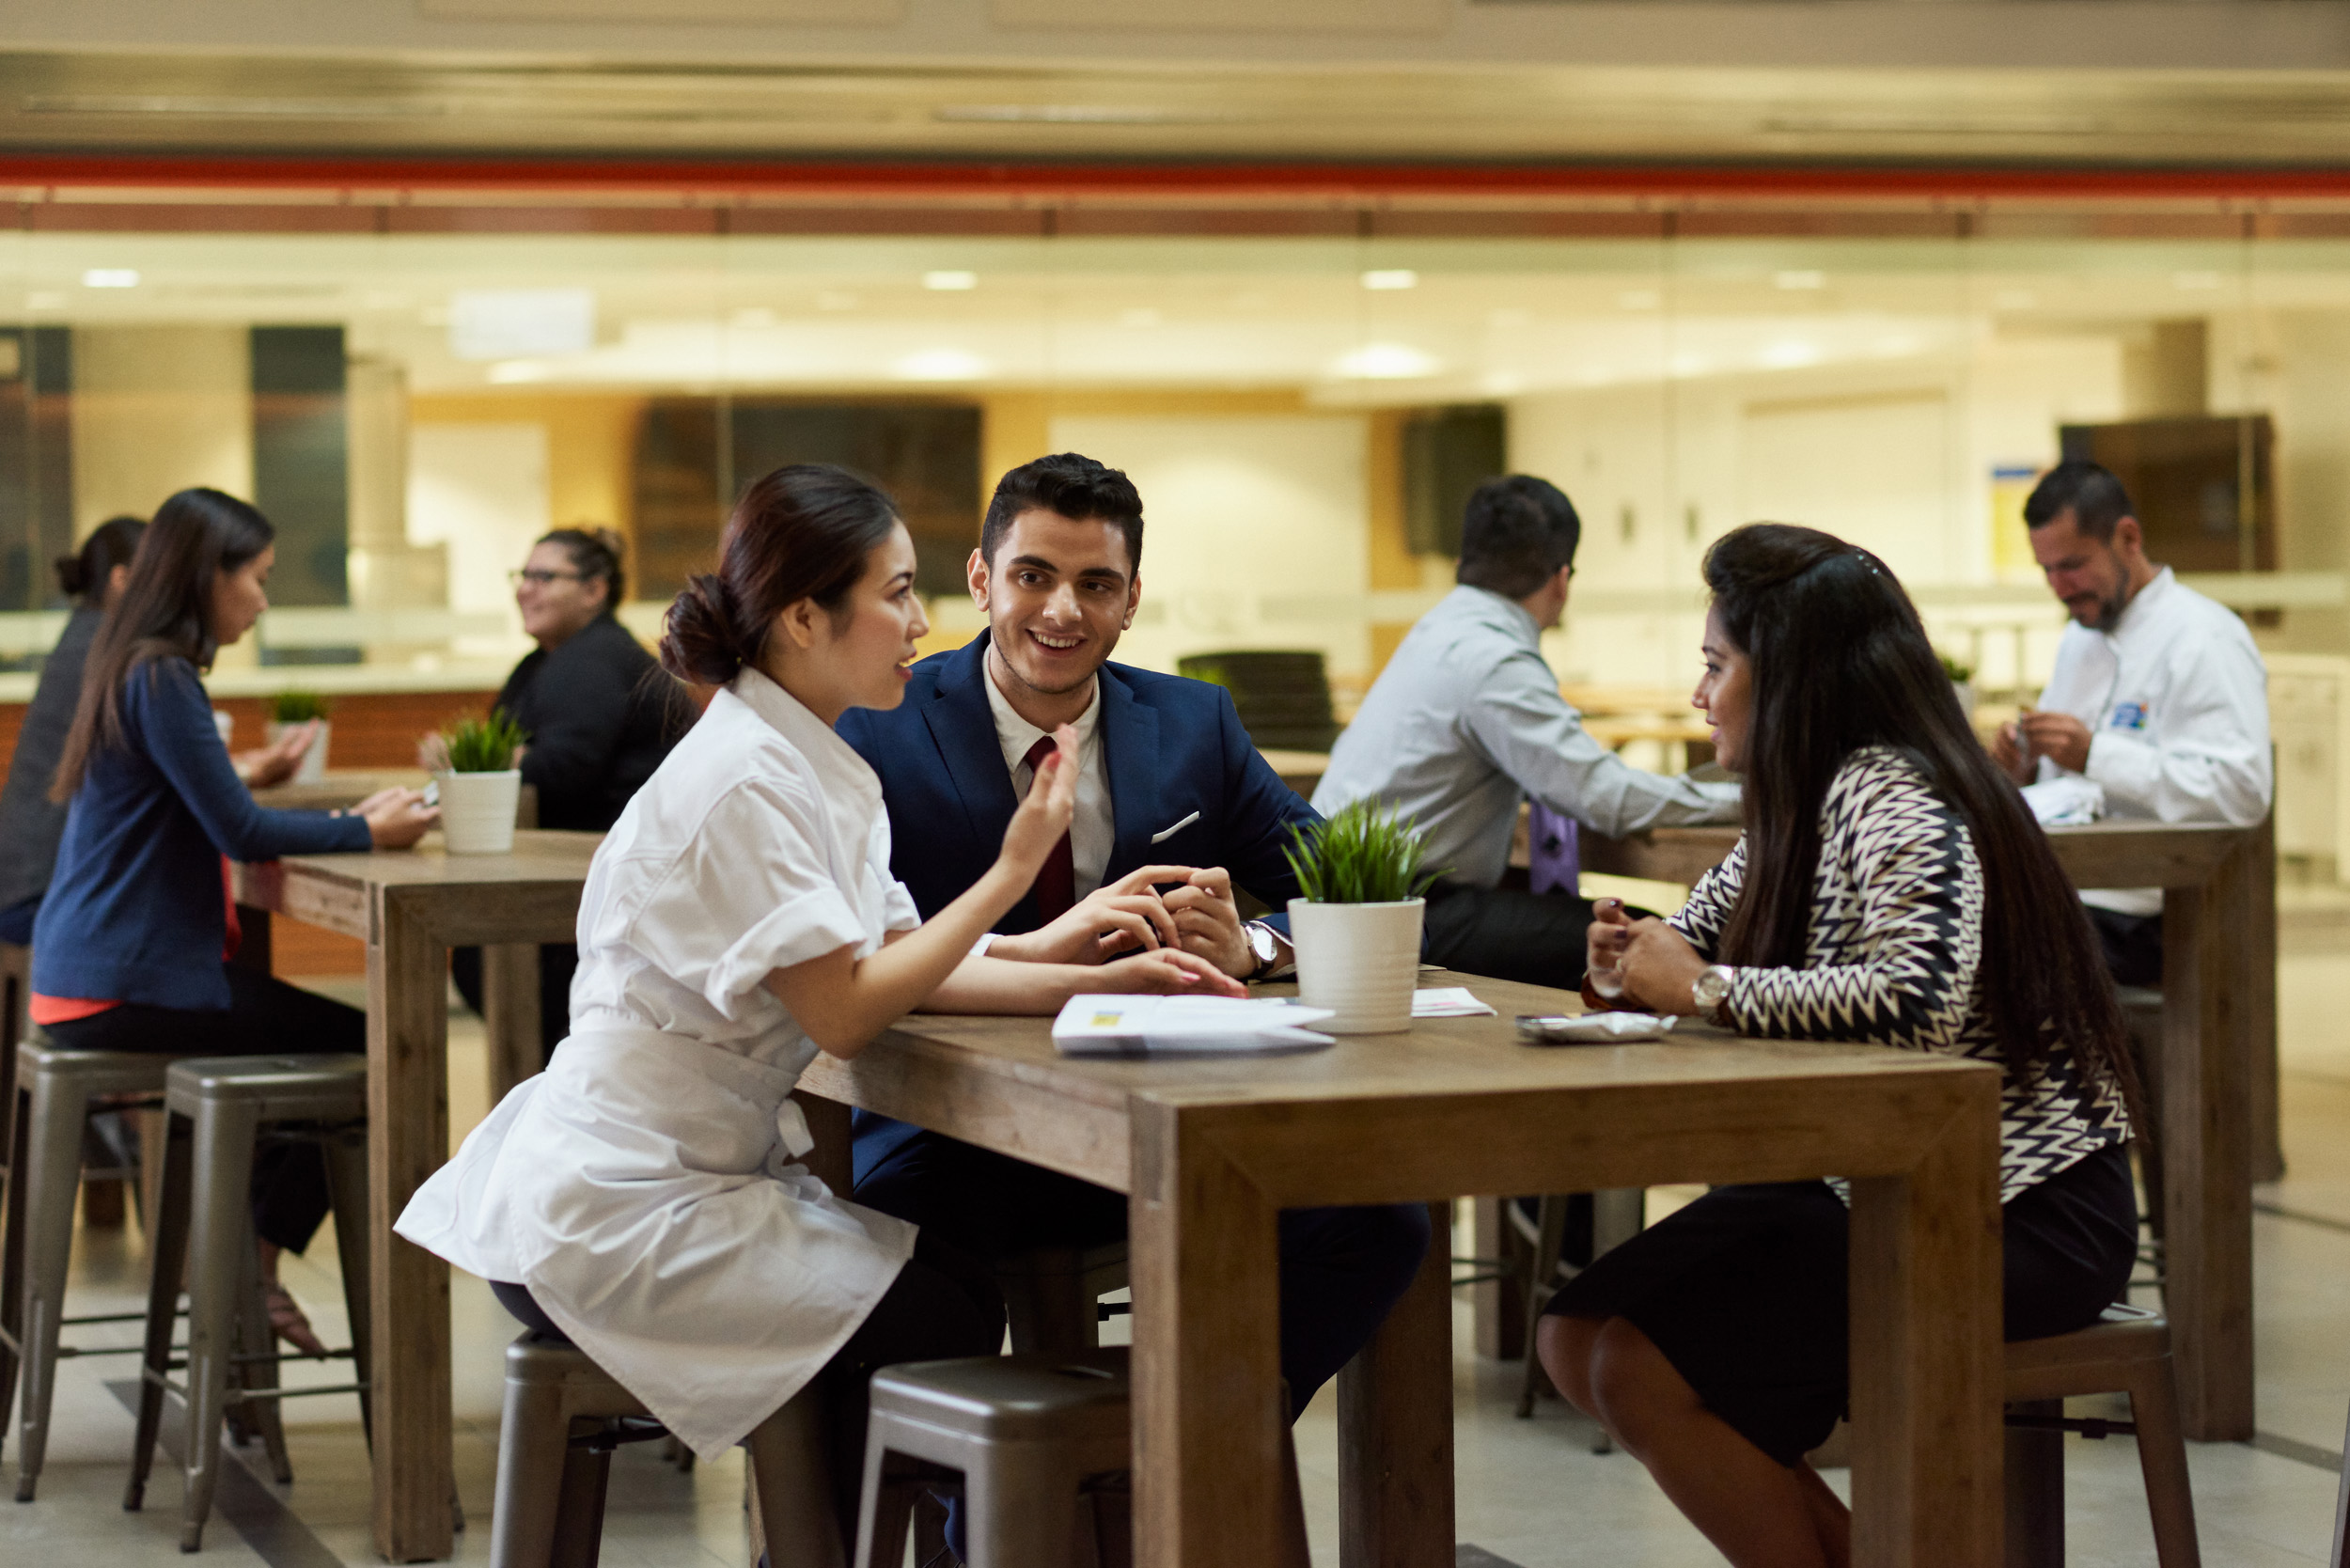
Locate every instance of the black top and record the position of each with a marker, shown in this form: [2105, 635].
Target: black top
[30, 822]
[597, 710]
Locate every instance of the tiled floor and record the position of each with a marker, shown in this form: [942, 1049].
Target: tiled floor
[1530, 1492]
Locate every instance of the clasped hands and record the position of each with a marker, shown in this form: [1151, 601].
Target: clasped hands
[1186, 908]
[1658, 966]
[2060, 737]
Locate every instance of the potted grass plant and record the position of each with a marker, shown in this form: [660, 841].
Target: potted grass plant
[1357, 923]
[293, 707]
[1962, 682]
[482, 785]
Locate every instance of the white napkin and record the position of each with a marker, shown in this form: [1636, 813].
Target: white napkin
[2067, 800]
[1447, 1001]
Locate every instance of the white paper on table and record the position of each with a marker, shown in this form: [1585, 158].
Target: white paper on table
[1112, 1025]
[1447, 1001]
[2067, 800]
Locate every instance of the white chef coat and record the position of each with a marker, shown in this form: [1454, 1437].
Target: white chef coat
[2176, 701]
[642, 1186]
[1092, 822]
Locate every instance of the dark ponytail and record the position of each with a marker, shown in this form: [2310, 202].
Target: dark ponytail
[802, 532]
[84, 575]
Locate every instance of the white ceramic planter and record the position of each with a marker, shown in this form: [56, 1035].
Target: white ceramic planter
[313, 768]
[1965, 690]
[1359, 960]
[477, 810]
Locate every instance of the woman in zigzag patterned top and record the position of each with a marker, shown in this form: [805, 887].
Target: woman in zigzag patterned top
[1900, 894]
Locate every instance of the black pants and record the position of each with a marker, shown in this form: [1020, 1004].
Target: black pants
[2132, 945]
[943, 1305]
[557, 963]
[1341, 1269]
[1535, 938]
[265, 1016]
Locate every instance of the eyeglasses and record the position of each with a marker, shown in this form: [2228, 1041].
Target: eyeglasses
[537, 578]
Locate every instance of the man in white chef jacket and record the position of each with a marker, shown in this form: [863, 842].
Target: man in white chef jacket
[2157, 710]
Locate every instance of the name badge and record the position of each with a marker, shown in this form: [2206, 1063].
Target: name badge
[2128, 716]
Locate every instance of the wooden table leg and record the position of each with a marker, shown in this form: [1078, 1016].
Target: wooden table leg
[407, 1142]
[1395, 1426]
[2206, 1159]
[510, 1015]
[2257, 943]
[1925, 1353]
[1207, 1418]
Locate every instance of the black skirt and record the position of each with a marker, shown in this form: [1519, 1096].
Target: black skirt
[1744, 1290]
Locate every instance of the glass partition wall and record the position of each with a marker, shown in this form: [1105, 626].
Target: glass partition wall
[1301, 415]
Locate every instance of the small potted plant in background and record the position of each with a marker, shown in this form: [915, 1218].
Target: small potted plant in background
[294, 707]
[1962, 681]
[482, 785]
[1356, 922]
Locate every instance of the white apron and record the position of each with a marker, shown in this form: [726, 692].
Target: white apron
[641, 1187]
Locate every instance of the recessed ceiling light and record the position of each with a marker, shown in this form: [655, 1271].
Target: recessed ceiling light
[111, 277]
[1391, 277]
[940, 365]
[1385, 362]
[1800, 278]
[950, 281]
[1792, 354]
[513, 371]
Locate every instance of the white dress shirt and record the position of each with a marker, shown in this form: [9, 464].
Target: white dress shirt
[1466, 721]
[2176, 701]
[1092, 825]
[644, 1186]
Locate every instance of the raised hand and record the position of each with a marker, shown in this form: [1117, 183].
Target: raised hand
[1043, 817]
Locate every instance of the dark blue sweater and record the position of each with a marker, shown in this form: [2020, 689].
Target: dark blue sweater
[135, 911]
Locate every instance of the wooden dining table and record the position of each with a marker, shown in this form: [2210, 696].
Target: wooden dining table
[410, 907]
[2217, 1066]
[1208, 1150]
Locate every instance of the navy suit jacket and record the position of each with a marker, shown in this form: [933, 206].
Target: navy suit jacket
[1172, 747]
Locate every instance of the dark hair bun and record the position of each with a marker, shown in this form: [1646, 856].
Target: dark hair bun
[71, 576]
[697, 640]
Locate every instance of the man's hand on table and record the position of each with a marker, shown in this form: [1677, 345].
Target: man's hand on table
[1127, 916]
[1208, 918]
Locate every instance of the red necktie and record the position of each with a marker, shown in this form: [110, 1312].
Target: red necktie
[1055, 886]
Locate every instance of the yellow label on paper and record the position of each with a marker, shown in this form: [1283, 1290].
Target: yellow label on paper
[1108, 1020]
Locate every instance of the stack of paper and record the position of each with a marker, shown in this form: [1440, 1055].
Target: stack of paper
[1169, 1026]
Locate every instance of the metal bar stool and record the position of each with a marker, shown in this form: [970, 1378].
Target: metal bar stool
[564, 1416]
[2127, 1352]
[217, 1109]
[1617, 1214]
[1053, 1296]
[1028, 1441]
[54, 1093]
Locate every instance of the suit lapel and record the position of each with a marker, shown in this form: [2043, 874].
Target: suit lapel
[965, 728]
[1130, 754]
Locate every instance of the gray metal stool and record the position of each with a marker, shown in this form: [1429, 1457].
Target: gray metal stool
[1617, 1214]
[1053, 1296]
[217, 1109]
[565, 1415]
[2129, 1353]
[1024, 1433]
[55, 1093]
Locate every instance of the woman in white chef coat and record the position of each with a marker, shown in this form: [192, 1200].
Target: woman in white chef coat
[640, 1196]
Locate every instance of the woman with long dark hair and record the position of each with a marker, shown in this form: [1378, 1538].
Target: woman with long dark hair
[642, 1197]
[30, 822]
[1890, 887]
[132, 949]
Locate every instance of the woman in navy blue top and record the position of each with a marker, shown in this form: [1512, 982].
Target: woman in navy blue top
[132, 948]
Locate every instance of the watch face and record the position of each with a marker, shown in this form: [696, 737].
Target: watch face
[1261, 942]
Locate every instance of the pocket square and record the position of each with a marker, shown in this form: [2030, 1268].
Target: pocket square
[1166, 833]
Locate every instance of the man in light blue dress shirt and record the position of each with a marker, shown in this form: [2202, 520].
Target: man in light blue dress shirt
[1467, 722]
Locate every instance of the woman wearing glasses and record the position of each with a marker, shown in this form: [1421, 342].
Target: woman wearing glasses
[596, 714]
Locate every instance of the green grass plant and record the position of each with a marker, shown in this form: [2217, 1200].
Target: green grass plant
[297, 706]
[1958, 673]
[1362, 854]
[483, 745]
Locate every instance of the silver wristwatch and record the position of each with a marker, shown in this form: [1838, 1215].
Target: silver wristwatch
[1266, 947]
[1710, 989]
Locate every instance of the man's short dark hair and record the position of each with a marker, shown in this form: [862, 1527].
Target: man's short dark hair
[2088, 491]
[1075, 486]
[1515, 535]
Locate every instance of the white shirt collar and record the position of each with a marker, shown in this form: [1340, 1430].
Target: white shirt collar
[1016, 735]
[1506, 616]
[810, 736]
[2146, 605]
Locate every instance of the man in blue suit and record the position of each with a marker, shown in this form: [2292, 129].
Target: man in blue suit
[1175, 808]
